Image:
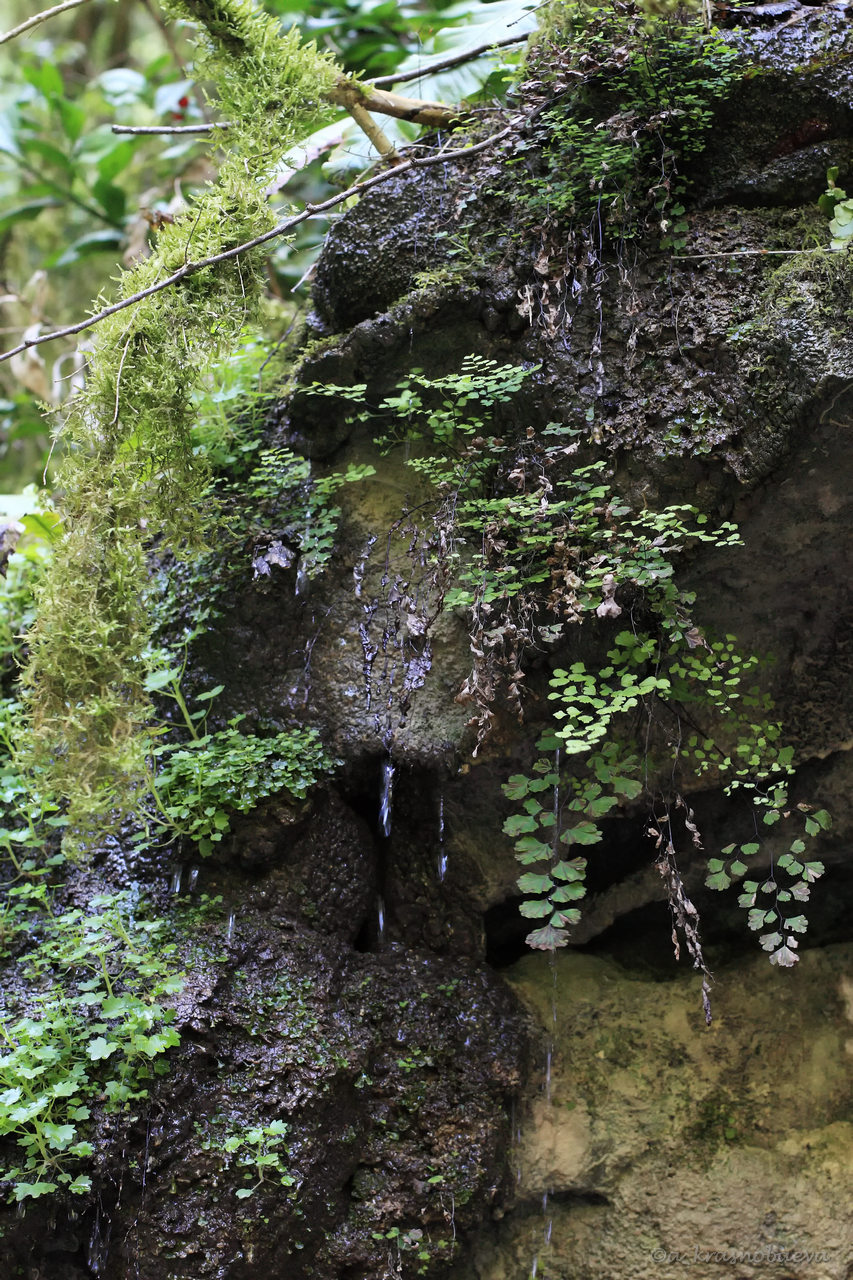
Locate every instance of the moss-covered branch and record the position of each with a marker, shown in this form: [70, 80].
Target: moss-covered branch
[128, 472]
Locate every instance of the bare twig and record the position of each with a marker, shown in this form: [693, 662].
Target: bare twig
[310, 211]
[345, 94]
[372, 132]
[746, 253]
[39, 18]
[456, 60]
[169, 128]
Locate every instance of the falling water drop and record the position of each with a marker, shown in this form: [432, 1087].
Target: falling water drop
[305, 539]
[442, 852]
[99, 1244]
[385, 797]
[229, 929]
[175, 882]
[515, 1139]
[544, 1242]
[193, 879]
[380, 922]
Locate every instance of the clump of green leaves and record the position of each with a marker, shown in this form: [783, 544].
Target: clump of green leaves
[558, 813]
[261, 1155]
[298, 507]
[839, 209]
[636, 98]
[415, 1244]
[197, 785]
[92, 1021]
[530, 541]
[86, 1008]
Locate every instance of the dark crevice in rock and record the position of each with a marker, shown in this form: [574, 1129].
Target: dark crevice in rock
[364, 940]
[505, 929]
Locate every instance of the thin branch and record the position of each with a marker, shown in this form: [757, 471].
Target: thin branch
[310, 211]
[746, 253]
[169, 128]
[345, 94]
[456, 60]
[39, 18]
[372, 131]
[433, 114]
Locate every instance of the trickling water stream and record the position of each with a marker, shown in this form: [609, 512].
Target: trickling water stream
[386, 797]
[542, 1233]
[98, 1248]
[442, 852]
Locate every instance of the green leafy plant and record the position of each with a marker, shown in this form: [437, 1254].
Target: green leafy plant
[835, 204]
[92, 1022]
[530, 541]
[298, 507]
[416, 1244]
[129, 464]
[260, 1153]
[636, 99]
[199, 784]
[558, 813]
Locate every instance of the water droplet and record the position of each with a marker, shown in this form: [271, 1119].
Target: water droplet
[193, 879]
[380, 922]
[385, 797]
[99, 1244]
[229, 930]
[175, 882]
[442, 852]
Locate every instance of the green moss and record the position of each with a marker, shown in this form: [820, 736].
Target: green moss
[129, 472]
[814, 282]
[634, 94]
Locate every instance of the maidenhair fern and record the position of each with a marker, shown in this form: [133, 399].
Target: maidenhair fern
[533, 543]
[128, 472]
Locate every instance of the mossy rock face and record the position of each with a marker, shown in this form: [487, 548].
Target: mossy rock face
[370, 256]
[349, 999]
[783, 125]
[326, 1101]
[659, 1144]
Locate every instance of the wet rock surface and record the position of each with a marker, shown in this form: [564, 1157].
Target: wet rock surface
[661, 1145]
[341, 988]
[341, 1094]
